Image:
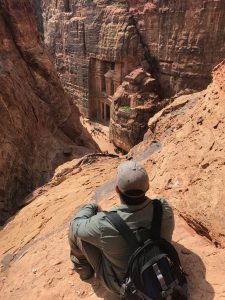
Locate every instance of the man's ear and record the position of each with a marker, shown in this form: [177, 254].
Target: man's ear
[117, 189]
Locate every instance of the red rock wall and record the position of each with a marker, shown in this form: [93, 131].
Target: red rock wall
[85, 33]
[189, 166]
[39, 124]
[134, 102]
[187, 38]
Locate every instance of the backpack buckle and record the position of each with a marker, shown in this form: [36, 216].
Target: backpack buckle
[127, 286]
[123, 289]
[130, 286]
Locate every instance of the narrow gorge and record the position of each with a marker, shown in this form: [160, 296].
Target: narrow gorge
[97, 44]
[85, 85]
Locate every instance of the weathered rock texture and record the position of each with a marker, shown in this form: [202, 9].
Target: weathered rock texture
[189, 168]
[39, 124]
[39, 16]
[134, 102]
[185, 39]
[34, 246]
[95, 46]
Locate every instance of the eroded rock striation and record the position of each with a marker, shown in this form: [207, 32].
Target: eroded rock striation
[189, 167]
[39, 124]
[186, 37]
[95, 46]
[179, 41]
[134, 102]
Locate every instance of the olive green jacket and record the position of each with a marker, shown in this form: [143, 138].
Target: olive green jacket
[94, 227]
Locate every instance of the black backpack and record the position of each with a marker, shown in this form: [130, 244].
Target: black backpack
[154, 268]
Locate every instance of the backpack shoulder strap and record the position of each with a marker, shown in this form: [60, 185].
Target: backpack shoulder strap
[123, 229]
[157, 219]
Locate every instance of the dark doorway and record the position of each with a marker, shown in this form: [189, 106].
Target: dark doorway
[103, 87]
[112, 88]
[107, 112]
[103, 111]
[67, 5]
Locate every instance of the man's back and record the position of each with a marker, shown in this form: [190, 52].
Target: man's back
[98, 231]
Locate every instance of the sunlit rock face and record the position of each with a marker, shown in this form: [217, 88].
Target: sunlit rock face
[134, 102]
[39, 124]
[178, 41]
[187, 38]
[189, 166]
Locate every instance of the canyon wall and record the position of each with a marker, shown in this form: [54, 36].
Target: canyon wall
[95, 46]
[179, 41]
[133, 103]
[188, 170]
[186, 37]
[39, 124]
[189, 166]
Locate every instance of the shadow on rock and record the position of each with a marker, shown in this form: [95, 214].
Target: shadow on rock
[198, 286]
[101, 292]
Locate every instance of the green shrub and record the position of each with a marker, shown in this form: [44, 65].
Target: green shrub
[122, 5]
[125, 108]
[119, 4]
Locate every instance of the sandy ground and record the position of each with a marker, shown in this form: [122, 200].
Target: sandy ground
[100, 134]
[34, 250]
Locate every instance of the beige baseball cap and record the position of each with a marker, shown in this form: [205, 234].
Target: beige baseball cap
[132, 176]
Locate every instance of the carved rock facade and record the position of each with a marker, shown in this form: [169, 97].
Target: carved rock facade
[181, 41]
[95, 46]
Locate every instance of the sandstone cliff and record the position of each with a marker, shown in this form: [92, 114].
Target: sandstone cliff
[180, 41]
[183, 153]
[95, 46]
[39, 124]
[186, 37]
[133, 103]
[189, 166]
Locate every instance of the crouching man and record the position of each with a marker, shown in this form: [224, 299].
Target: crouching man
[96, 246]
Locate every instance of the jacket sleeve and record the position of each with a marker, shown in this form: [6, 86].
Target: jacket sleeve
[86, 224]
[168, 223]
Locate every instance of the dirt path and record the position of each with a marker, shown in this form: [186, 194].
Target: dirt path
[34, 248]
[100, 134]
